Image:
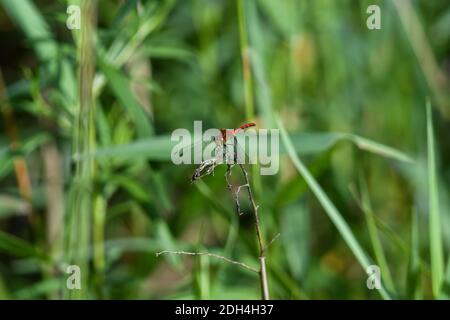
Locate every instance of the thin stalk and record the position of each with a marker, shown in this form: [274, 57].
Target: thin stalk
[78, 231]
[414, 273]
[209, 254]
[262, 248]
[435, 77]
[436, 249]
[366, 207]
[98, 236]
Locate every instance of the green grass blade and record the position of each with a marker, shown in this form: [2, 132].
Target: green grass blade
[378, 148]
[159, 147]
[20, 248]
[295, 235]
[38, 289]
[311, 143]
[120, 86]
[414, 272]
[98, 239]
[78, 224]
[446, 286]
[123, 12]
[27, 16]
[153, 148]
[374, 237]
[329, 207]
[436, 250]
[168, 52]
[4, 293]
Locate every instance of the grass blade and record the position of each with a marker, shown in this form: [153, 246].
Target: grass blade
[159, 147]
[413, 275]
[436, 250]
[374, 237]
[377, 148]
[310, 143]
[27, 16]
[78, 225]
[154, 148]
[329, 207]
[120, 86]
[18, 247]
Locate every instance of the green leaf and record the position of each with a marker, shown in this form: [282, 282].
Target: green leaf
[167, 242]
[310, 143]
[4, 294]
[7, 154]
[120, 86]
[37, 289]
[159, 147]
[168, 52]
[380, 257]
[436, 250]
[154, 148]
[295, 236]
[413, 273]
[17, 247]
[27, 16]
[133, 187]
[123, 12]
[334, 215]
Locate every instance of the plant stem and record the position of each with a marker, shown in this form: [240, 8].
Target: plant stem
[436, 249]
[209, 254]
[79, 219]
[262, 256]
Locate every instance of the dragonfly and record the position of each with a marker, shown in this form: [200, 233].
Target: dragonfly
[221, 151]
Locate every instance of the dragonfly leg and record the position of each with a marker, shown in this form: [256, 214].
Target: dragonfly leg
[227, 175]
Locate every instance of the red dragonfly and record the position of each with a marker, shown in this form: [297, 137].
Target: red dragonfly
[225, 135]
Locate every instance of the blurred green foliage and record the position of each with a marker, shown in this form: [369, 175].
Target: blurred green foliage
[85, 170]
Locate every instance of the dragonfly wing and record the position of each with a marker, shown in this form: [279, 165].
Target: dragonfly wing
[196, 150]
[188, 147]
